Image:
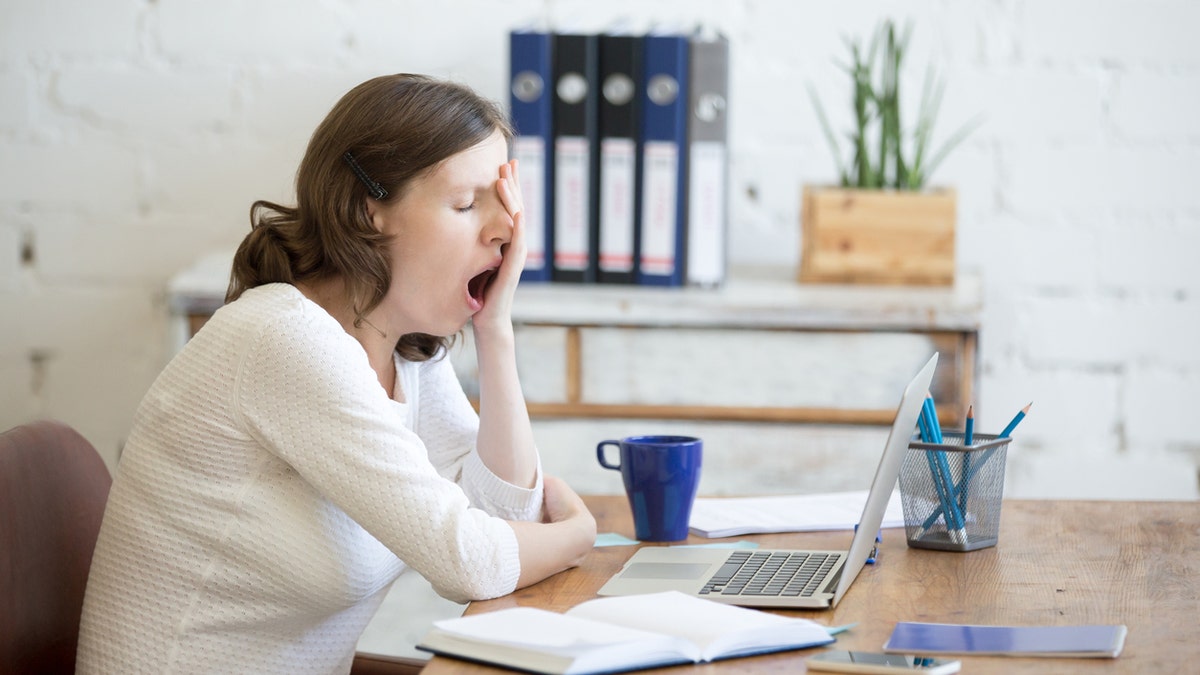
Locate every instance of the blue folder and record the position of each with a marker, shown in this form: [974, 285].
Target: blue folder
[664, 160]
[532, 111]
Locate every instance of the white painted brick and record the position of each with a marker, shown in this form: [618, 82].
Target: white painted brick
[99, 322]
[288, 105]
[140, 252]
[1017, 254]
[1122, 32]
[100, 350]
[1067, 475]
[10, 257]
[1160, 407]
[52, 29]
[16, 92]
[1012, 105]
[1092, 181]
[230, 31]
[1073, 329]
[1157, 106]
[1163, 331]
[972, 33]
[79, 380]
[1097, 331]
[95, 173]
[153, 103]
[759, 101]
[596, 16]
[219, 180]
[1002, 330]
[17, 404]
[768, 224]
[1150, 255]
[1071, 408]
[971, 169]
[392, 37]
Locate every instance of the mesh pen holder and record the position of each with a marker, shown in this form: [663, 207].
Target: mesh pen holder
[967, 481]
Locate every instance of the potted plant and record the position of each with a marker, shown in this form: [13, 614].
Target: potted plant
[882, 224]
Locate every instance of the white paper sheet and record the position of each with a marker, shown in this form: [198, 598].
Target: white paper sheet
[727, 517]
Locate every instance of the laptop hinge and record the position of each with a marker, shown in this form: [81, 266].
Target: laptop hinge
[832, 584]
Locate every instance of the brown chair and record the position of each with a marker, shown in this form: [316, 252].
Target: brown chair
[53, 487]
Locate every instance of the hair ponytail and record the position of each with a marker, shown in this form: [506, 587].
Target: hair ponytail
[265, 256]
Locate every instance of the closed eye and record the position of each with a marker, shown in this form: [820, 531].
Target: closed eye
[466, 209]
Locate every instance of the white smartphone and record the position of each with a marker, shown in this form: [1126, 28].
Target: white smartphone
[841, 661]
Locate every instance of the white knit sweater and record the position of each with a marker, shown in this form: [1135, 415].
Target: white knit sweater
[270, 492]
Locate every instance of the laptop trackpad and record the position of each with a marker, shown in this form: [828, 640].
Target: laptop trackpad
[656, 570]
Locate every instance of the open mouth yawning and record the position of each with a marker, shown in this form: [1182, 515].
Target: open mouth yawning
[478, 284]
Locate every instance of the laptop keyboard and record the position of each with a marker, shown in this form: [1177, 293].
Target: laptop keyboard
[772, 574]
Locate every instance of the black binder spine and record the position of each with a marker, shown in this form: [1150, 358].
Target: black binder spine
[620, 158]
[576, 157]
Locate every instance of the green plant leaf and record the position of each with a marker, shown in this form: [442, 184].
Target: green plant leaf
[878, 120]
[830, 137]
[952, 142]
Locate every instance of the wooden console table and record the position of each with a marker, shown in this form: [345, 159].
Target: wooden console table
[1057, 563]
[760, 349]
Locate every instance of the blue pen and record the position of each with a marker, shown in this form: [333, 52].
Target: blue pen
[968, 439]
[934, 424]
[943, 465]
[943, 478]
[1015, 421]
[927, 437]
[1003, 434]
[969, 427]
[976, 466]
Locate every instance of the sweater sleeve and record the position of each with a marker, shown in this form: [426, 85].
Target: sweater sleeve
[307, 393]
[449, 426]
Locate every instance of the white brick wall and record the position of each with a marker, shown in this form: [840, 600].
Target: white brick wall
[134, 135]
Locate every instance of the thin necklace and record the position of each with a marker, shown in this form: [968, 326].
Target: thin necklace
[366, 321]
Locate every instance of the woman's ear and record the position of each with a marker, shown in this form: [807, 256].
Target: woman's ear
[374, 211]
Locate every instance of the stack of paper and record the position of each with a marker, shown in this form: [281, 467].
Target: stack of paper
[728, 517]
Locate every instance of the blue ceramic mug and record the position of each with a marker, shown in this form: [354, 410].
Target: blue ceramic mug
[661, 474]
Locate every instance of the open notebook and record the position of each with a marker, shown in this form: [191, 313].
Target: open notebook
[780, 577]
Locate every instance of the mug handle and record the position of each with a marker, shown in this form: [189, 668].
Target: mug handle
[600, 455]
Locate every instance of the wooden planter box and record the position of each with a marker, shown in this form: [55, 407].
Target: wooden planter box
[877, 236]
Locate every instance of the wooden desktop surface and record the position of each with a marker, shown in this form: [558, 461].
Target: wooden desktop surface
[1057, 563]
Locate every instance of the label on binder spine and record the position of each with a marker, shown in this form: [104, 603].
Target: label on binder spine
[617, 163]
[530, 153]
[706, 211]
[660, 173]
[571, 206]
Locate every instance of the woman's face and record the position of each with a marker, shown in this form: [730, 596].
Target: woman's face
[447, 232]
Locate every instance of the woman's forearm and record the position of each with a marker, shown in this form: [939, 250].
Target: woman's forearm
[561, 542]
[550, 548]
[505, 440]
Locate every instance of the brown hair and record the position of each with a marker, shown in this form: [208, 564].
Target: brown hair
[396, 127]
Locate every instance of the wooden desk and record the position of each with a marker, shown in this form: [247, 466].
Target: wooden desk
[1057, 563]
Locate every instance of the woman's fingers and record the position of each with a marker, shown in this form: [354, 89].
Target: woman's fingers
[509, 187]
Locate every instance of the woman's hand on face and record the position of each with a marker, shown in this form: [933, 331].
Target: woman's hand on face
[497, 304]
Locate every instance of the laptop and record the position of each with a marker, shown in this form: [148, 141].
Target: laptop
[789, 578]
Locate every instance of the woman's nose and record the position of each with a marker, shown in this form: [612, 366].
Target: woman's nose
[499, 226]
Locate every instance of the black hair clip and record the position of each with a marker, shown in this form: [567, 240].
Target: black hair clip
[374, 188]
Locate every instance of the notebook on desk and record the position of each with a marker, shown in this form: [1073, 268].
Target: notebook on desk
[780, 577]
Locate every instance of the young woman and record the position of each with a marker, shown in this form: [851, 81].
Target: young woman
[312, 440]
